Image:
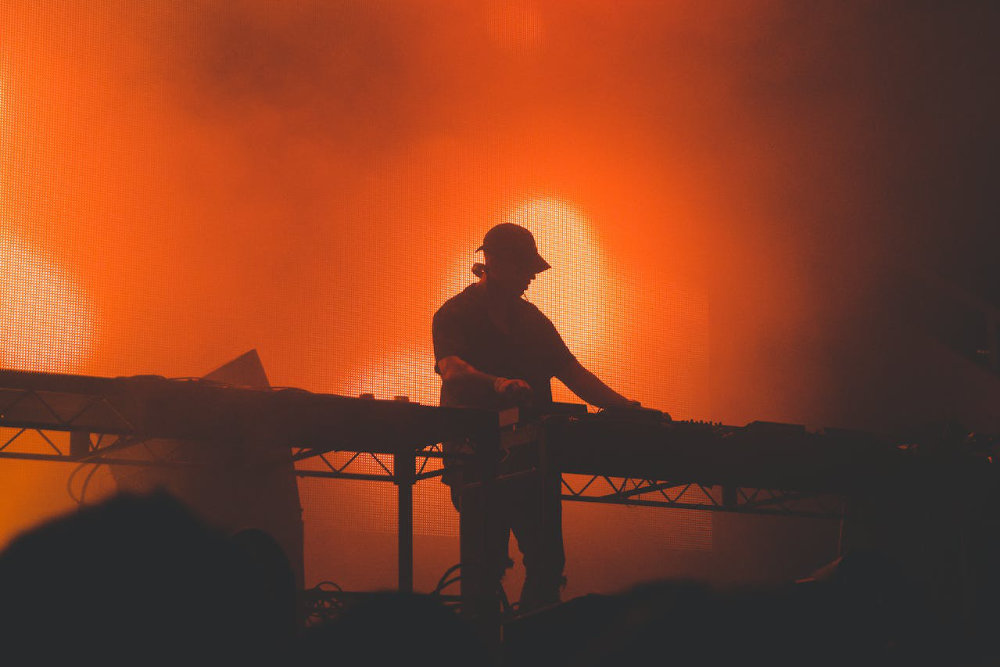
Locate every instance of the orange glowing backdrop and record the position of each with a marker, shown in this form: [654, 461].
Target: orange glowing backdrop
[182, 182]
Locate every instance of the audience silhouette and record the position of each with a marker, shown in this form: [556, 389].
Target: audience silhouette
[141, 580]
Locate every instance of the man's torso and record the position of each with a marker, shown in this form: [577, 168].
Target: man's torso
[530, 349]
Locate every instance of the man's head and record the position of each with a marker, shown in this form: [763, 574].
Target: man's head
[512, 259]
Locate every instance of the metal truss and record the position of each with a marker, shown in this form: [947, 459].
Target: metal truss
[364, 465]
[71, 423]
[62, 411]
[71, 427]
[100, 449]
[79, 447]
[696, 496]
[404, 468]
[48, 444]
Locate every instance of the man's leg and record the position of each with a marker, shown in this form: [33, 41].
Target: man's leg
[485, 537]
[536, 519]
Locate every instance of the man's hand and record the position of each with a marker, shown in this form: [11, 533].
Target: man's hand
[455, 369]
[517, 391]
[590, 388]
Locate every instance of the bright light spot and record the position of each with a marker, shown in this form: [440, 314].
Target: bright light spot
[46, 320]
[4, 144]
[47, 323]
[575, 293]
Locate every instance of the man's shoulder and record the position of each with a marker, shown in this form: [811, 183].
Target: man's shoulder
[464, 301]
[532, 312]
[529, 307]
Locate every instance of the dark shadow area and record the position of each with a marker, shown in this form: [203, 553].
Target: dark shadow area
[140, 580]
[387, 629]
[861, 613]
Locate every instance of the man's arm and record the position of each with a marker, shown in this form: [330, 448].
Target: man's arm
[457, 370]
[589, 387]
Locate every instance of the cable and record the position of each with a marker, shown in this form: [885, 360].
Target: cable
[444, 581]
[81, 499]
[86, 483]
[69, 482]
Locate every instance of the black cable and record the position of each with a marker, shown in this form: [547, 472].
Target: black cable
[81, 499]
[86, 483]
[444, 581]
[69, 482]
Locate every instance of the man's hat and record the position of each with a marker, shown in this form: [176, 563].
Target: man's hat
[514, 242]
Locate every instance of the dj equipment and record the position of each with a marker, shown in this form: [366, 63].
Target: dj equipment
[155, 407]
[760, 454]
[642, 457]
[649, 452]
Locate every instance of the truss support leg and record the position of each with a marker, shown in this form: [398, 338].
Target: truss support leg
[729, 497]
[477, 532]
[404, 475]
[79, 444]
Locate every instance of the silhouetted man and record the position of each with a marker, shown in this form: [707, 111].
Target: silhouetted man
[496, 350]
